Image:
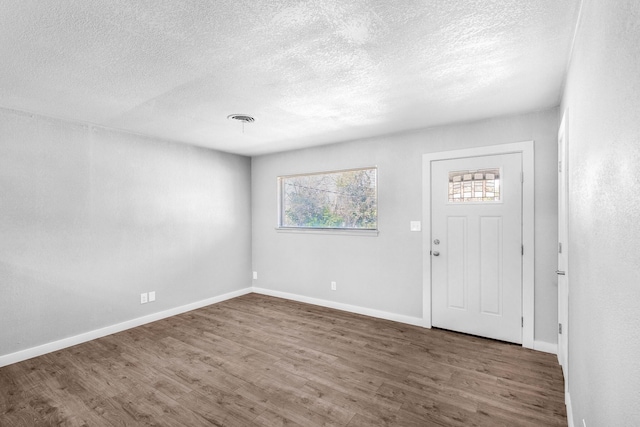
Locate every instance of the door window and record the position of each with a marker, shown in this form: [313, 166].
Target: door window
[481, 185]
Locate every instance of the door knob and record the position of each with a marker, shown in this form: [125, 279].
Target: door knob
[436, 253]
[560, 273]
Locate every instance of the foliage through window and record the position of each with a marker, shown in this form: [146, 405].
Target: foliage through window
[331, 200]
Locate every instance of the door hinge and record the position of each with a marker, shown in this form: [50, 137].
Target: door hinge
[559, 166]
[522, 249]
[560, 328]
[522, 322]
[559, 247]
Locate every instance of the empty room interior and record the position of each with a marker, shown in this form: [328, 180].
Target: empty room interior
[314, 213]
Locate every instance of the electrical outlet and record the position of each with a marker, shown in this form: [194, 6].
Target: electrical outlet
[415, 226]
[143, 298]
[255, 275]
[152, 296]
[333, 286]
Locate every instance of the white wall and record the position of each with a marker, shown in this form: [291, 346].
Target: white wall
[90, 218]
[602, 98]
[384, 273]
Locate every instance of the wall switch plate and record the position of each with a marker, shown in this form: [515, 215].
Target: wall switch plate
[152, 296]
[334, 286]
[415, 226]
[255, 275]
[143, 298]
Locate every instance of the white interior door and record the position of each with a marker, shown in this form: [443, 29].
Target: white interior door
[476, 248]
[563, 252]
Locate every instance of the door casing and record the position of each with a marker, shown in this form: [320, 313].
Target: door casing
[563, 256]
[528, 291]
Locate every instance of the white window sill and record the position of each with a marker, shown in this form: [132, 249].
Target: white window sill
[332, 231]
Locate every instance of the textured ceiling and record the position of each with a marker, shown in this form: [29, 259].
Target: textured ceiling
[310, 72]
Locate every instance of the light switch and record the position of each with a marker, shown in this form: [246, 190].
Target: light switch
[415, 226]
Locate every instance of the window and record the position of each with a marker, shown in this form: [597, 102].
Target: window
[330, 200]
[474, 186]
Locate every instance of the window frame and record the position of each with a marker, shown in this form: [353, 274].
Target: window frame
[323, 230]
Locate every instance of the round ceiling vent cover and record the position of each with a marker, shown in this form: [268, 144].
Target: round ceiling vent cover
[244, 118]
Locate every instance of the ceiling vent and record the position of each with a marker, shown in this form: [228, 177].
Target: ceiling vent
[241, 118]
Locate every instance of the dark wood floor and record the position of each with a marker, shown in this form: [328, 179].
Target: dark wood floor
[263, 361]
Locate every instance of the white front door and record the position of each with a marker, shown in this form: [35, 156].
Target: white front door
[476, 247]
[563, 252]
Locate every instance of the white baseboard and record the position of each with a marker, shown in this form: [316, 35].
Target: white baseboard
[416, 321]
[546, 347]
[29, 353]
[567, 402]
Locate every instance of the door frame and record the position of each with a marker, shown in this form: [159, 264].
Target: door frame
[563, 168]
[528, 241]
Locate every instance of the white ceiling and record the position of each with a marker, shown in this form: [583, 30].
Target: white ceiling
[310, 72]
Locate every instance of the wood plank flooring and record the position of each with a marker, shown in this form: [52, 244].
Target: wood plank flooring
[263, 361]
